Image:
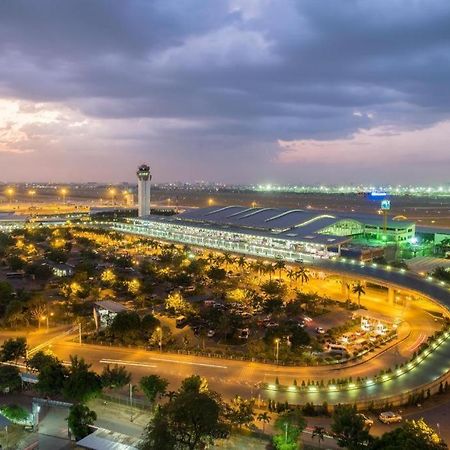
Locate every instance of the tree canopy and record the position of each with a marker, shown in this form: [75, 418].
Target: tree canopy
[188, 421]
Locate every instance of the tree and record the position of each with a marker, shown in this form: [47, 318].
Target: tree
[240, 411]
[153, 387]
[38, 310]
[194, 383]
[6, 295]
[349, 428]
[149, 324]
[115, 377]
[15, 413]
[241, 263]
[269, 269]
[126, 327]
[303, 274]
[290, 426]
[15, 313]
[216, 274]
[40, 359]
[358, 288]
[80, 419]
[10, 379]
[81, 383]
[108, 277]
[290, 273]
[188, 421]
[13, 349]
[264, 418]
[412, 434]
[176, 304]
[279, 265]
[51, 374]
[319, 433]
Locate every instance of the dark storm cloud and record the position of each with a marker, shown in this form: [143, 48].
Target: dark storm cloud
[242, 74]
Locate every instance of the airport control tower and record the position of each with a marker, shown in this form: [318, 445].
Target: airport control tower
[144, 178]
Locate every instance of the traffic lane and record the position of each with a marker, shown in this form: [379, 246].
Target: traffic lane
[243, 377]
[224, 378]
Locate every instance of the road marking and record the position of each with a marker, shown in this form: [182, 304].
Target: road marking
[214, 366]
[126, 363]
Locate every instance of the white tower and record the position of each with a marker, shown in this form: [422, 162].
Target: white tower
[144, 177]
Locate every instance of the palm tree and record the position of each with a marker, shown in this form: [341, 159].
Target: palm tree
[210, 258]
[318, 432]
[228, 259]
[303, 274]
[269, 269]
[260, 268]
[264, 418]
[279, 265]
[291, 275]
[241, 263]
[358, 288]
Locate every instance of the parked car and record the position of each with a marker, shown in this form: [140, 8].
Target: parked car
[181, 321]
[320, 330]
[211, 333]
[390, 417]
[367, 421]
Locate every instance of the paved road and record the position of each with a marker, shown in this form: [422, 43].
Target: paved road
[240, 377]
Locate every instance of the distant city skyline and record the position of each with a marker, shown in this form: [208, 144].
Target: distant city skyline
[233, 91]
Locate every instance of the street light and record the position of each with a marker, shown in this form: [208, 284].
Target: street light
[159, 329]
[277, 342]
[112, 192]
[32, 193]
[63, 194]
[46, 319]
[10, 193]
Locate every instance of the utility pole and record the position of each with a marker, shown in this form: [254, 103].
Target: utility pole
[131, 402]
[79, 333]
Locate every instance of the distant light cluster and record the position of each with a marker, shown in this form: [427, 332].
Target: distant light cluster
[357, 189]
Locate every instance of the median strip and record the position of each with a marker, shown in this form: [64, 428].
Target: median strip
[126, 363]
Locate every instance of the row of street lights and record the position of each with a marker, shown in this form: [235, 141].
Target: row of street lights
[32, 193]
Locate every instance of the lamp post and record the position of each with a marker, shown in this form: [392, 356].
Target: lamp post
[63, 194]
[277, 343]
[32, 193]
[160, 331]
[10, 194]
[112, 192]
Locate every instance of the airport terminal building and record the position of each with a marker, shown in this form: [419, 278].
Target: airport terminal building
[270, 232]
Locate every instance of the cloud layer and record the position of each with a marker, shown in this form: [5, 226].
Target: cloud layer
[238, 90]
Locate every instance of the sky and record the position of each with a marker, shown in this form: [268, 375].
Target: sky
[234, 91]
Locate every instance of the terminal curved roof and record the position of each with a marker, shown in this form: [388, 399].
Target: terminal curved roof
[298, 225]
[280, 219]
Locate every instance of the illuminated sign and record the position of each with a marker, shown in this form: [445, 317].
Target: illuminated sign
[386, 205]
[377, 195]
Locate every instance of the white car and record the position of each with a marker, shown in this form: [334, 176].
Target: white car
[390, 417]
[320, 330]
[211, 333]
